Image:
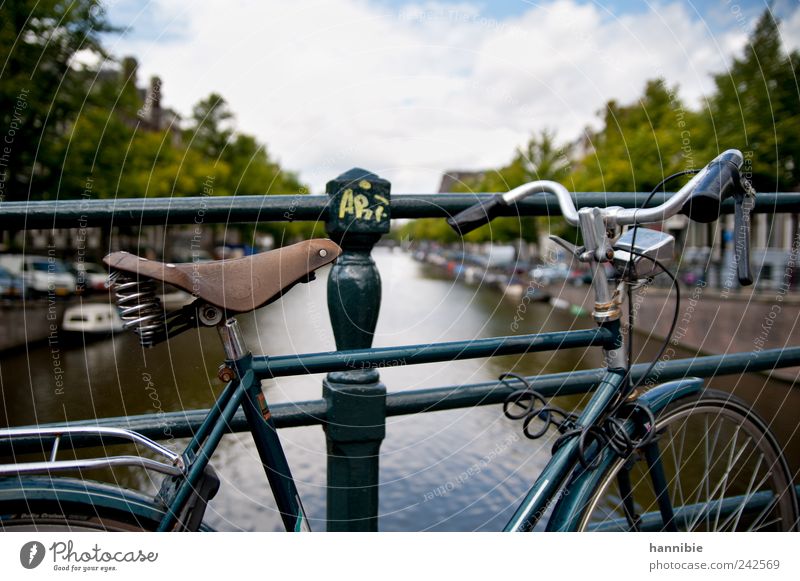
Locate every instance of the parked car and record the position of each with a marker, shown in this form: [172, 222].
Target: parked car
[89, 276]
[550, 273]
[11, 286]
[40, 274]
[227, 252]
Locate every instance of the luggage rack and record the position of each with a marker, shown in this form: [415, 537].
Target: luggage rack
[173, 467]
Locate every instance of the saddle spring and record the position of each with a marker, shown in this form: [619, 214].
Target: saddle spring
[139, 306]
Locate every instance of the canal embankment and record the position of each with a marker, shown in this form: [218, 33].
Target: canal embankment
[710, 321]
[29, 321]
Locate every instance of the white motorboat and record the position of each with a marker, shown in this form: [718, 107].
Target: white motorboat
[91, 319]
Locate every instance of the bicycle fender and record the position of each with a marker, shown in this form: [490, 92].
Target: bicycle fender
[86, 492]
[582, 483]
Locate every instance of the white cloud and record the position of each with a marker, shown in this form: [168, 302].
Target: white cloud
[407, 94]
[790, 31]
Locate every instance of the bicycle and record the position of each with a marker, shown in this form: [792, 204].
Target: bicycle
[623, 455]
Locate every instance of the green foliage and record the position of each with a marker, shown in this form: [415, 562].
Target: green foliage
[85, 130]
[108, 150]
[125, 157]
[540, 159]
[755, 109]
[211, 126]
[242, 165]
[639, 144]
[41, 90]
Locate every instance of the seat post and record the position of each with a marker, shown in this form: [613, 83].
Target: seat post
[232, 340]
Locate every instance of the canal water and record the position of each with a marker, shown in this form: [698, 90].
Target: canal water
[455, 470]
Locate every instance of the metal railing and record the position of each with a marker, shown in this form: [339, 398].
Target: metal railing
[357, 211]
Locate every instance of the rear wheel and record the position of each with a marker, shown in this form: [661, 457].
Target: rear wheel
[723, 470]
[52, 516]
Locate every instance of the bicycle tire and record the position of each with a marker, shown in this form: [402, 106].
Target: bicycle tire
[53, 516]
[728, 472]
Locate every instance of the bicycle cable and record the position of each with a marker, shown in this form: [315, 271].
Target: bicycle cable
[675, 313]
[626, 272]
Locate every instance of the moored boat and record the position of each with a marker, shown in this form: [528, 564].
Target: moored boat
[91, 319]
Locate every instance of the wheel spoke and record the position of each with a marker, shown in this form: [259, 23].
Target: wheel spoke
[727, 473]
[750, 491]
[710, 463]
[720, 485]
[737, 457]
[706, 474]
[764, 513]
[706, 512]
[678, 464]
[772, 522]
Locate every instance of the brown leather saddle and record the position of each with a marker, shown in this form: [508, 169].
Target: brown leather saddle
[238, 285]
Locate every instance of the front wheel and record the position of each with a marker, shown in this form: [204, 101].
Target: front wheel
[716, 462]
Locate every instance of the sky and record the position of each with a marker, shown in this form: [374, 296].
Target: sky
[409, 90]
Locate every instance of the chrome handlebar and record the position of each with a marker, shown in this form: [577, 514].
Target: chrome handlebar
[615, 215]
[545, 187]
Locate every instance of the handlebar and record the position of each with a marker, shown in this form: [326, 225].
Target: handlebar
[471, 218]
[700, 198]
[483, 212]
[545, 187]
[719, 180]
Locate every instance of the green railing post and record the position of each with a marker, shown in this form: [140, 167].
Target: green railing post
[356, 416]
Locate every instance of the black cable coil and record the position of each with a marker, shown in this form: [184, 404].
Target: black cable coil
[528, 405]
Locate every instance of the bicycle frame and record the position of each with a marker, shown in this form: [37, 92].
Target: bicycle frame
[245, 391]
[563, 461]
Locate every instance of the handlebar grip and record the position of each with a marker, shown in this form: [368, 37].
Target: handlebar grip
[741, 248]
[477, 215]
[719, 181]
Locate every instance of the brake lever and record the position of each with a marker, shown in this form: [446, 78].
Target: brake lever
[741, 225]
[568, 246]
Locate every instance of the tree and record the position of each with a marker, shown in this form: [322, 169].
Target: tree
[211, 125]
[640, 144]
[243, 165]
[540, 159]
[756, 108]
[109, 150]
[41, 87]
[77, 130]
